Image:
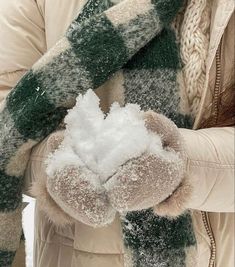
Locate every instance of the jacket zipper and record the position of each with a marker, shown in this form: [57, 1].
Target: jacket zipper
[205, 217]
[207, 225]
[217, 85]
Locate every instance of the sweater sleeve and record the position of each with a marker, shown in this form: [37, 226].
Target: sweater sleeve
[209, 180]
[211, 168]
[22, 41]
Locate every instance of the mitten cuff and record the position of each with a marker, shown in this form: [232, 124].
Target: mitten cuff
[176, 203]
[47, 205]
[36, 170]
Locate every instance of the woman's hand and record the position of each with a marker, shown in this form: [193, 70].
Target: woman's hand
[79, 193]
[150, 179]
[69, 194]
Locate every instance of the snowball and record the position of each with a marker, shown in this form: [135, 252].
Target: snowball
[103, 142]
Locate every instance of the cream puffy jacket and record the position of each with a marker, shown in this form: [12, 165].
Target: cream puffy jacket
[28, 28]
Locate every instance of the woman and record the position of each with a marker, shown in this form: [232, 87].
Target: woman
[207, 51]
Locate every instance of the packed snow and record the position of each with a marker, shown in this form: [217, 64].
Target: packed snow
[103, 142]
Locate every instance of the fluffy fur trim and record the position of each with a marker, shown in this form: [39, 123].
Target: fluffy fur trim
[46, 204]
[175, 205]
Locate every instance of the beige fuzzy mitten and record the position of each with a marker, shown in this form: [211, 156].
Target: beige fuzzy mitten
[70, 194]
[151, 179]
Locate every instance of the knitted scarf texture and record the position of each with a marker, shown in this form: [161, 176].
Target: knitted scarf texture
[107, 36]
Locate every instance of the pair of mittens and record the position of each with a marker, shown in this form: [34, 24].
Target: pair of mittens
[138, 184]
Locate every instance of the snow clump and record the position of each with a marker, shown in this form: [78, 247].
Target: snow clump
[101, 142]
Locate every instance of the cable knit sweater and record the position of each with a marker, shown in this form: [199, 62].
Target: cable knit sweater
[135, 36]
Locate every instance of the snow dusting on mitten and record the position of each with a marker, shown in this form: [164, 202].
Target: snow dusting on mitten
[150, 179]
[78, 192]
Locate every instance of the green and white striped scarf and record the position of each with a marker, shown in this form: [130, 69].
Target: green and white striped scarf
[107, 36]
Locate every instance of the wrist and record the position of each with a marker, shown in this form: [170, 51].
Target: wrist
[176, 204]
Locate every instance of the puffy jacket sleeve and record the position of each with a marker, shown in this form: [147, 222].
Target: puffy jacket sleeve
[22, 40]
[211, 168]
